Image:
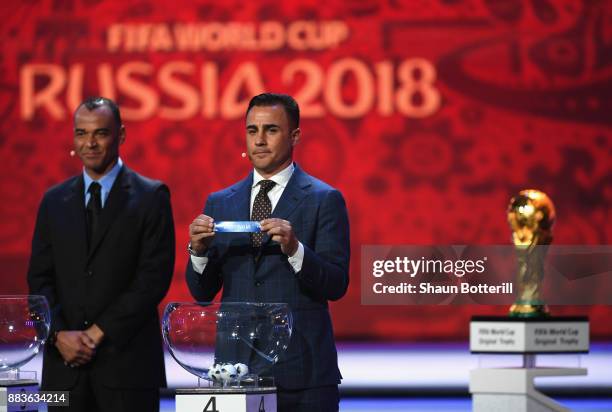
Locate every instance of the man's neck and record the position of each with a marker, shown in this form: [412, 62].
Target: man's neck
[99, 175]
[267, 175]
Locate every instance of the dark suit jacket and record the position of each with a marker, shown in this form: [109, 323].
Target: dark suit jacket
[117, 284]
[318, 215]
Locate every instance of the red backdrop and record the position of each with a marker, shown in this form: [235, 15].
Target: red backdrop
[427, 115]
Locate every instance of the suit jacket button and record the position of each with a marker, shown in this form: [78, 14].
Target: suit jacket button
[86, 323]
[258, 283]
[89, 272]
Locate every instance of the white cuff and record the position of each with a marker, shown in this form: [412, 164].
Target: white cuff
[199, 263]
[297, 259]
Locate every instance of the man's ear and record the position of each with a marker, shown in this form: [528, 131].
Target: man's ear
[121, 134]
[296, 134]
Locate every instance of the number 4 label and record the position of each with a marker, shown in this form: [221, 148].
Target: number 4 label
[211, 403]
[211, 406]
[219, 402]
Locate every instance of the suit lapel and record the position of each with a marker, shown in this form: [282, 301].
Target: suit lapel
[240, 199]
[115, 203]
[294, 193]
[75, 205]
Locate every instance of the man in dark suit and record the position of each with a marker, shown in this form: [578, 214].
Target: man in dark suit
[103, 255]
[300, 258]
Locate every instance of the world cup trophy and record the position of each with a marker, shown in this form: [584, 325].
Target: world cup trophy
[531, 215]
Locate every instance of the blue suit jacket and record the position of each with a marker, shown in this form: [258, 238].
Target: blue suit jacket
[318, 215]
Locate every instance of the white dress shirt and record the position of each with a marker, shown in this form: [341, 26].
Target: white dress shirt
[106, 182]
[281, 179]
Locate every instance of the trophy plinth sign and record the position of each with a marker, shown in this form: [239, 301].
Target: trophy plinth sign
[231, 348]
[529, 329]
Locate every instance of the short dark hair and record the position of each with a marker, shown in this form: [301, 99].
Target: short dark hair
[271, 99]
[95, 102]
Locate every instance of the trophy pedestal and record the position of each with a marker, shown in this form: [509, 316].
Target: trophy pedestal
[218, 399]
[512, 389]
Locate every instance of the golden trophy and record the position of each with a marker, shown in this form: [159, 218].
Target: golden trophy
[531, 215]
[528, 330]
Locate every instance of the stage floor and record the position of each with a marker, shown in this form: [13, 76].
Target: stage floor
[433, 369]
[434, 404]
[433, 377]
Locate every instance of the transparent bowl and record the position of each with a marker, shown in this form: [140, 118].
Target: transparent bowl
[24, 327]
[227, 343]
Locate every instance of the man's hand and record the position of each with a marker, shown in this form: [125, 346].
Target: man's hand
[281, 231]
[201, 233]
[75, 346]
[95, 334]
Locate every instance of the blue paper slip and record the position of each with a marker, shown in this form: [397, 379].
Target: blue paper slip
[246, 226]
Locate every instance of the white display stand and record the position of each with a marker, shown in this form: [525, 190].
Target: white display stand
[512, 389]
[17, 386]
[217, 399]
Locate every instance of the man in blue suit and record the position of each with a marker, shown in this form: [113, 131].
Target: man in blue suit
[300, 258]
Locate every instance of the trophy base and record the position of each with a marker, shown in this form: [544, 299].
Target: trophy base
[513, 389]
[519, 310]
[533, 335]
